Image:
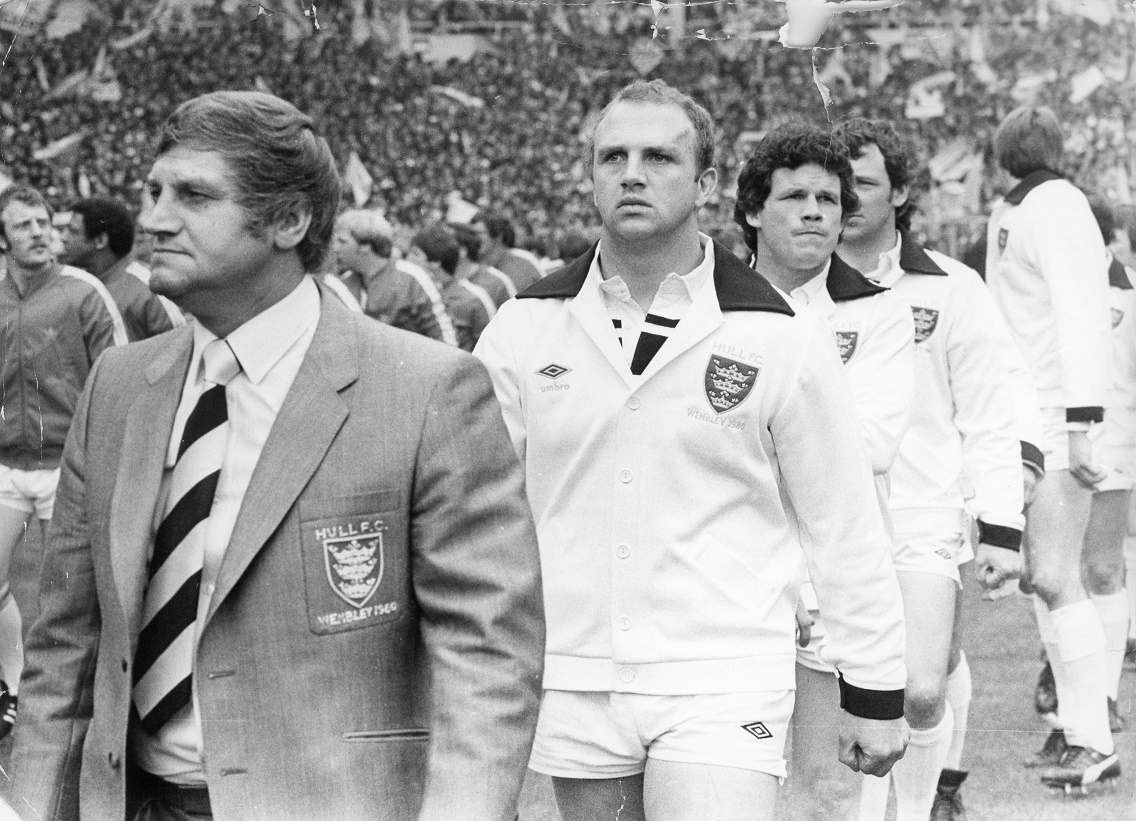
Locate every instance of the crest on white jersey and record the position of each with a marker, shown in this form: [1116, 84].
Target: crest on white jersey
[846, 341]
[1003, 238]
[728, 382]
[925, 321]
[1117, 316]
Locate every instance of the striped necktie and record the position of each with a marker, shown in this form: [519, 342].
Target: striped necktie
[163, 662]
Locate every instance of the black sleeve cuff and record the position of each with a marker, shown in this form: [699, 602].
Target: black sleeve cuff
[1090, 415]
[999, 536]
[1032, 456]
[881, 705]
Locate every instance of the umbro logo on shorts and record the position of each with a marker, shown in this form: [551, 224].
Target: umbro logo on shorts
[942, 553]
[757, 730]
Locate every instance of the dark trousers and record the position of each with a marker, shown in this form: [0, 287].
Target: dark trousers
[149, 798]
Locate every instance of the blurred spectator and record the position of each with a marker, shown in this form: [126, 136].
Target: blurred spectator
[396, 292]
[470, 307]
[99, 239]
[498, 237]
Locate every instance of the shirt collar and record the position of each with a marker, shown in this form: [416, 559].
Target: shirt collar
[808, 292]
[261, 341]
[692, 282]
[888, 263]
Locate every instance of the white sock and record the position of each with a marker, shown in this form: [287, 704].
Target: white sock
[1048, 632]
[874, 794]
[1113, 612]
[916, 775]
[11, 643]
[1084, 712]
[959, 691]
[1130, 582]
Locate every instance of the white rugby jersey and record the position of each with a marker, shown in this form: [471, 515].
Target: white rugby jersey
[875, 335]
[1046, 269]
[965, 423]
[1120, 397]
[672, 506]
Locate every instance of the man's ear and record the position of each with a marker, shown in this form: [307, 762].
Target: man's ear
[707, 183]
[754, 220]
[899, 196]
[290, 230]
[101, 241]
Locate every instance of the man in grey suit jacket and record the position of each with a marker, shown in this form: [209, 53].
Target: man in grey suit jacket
[365, 630]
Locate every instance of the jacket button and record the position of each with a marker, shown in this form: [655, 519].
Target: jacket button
[625, 476]
[125, 665]
[113, 760]
[634, 402]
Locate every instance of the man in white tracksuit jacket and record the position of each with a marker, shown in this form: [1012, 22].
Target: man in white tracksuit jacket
[803, 171]
[1046, 269]
[685, 432]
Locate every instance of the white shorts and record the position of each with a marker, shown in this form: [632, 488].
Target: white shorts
[1054, 439]
[937, 552]
[28, 490]
[611, 735]
[1115, 450]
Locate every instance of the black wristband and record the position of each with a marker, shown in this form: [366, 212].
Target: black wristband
[1032, 456]
[1092, 415]
[999, 536]
[881, 705]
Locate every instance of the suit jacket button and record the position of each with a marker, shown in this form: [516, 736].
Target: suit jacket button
[125, 665]
[113, 760]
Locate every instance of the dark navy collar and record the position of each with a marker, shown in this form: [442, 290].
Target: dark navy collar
[1030, 182]
[845, 283]
[914, 259]
[1117, 276]
[738, 286]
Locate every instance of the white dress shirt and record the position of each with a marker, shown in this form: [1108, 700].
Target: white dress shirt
[270, 348]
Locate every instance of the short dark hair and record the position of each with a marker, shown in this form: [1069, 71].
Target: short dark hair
[790, 146]
[902, 160]
[468, 239]
[499, 227]
[659, 91]
[278, 160]
[1029, 140]
[106, 215]
[1105, 216]
[439, 245]
[24, 194]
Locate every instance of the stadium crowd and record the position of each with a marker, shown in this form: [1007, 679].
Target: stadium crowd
[518, 146]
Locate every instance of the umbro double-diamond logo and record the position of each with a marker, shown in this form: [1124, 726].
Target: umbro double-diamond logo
[553, 371]
[757, 730]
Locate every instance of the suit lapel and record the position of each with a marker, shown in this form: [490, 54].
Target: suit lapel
[309, 419]
[146, 438]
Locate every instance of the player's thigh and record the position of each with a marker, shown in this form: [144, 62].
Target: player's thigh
[819, 786]
[1103, 557]
[681, 791]
[929, 611]
[13, 523]
[956, 628]
[600, 799]
[1056, 523]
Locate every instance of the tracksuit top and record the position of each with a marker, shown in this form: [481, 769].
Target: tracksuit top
[672, 507]
[1047, 271]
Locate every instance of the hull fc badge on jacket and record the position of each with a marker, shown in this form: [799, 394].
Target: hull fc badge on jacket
[846, 342]
[354, 566]
[925, 321]
[728, 382]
